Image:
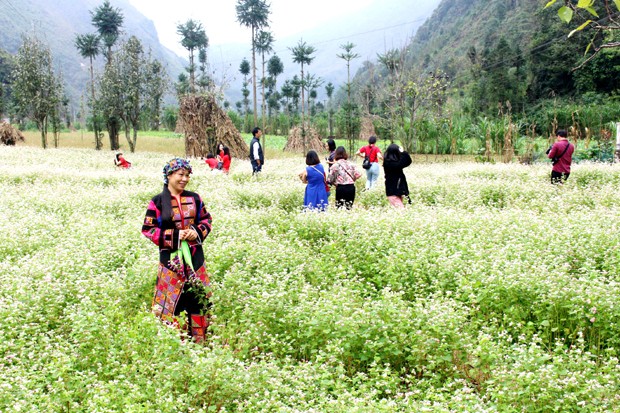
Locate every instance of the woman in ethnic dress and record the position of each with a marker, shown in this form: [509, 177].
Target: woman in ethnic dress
[177, 222]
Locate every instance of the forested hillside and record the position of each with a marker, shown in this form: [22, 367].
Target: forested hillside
[515, 50]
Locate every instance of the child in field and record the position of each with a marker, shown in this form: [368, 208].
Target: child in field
[121, 162]
[211, 161]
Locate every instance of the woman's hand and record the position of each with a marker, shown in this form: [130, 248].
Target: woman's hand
[188, 234]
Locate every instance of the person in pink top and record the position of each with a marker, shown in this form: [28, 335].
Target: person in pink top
[121, 162]
[561, 155]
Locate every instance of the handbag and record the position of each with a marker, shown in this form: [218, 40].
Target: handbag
[327, 188]
[366, 163]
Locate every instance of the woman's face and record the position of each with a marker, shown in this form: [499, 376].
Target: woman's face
[221, 147]
[178, 180]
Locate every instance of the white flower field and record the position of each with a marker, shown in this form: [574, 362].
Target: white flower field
[494, 291]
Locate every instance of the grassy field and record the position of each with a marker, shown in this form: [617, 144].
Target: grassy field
[493, 291]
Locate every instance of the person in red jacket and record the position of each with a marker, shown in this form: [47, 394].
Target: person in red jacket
[121, 162]
[561, 155]
[224, 157]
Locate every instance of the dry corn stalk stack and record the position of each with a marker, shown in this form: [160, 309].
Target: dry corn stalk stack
[9, 135]
[295, 142]
[205, 125]
[367, 129]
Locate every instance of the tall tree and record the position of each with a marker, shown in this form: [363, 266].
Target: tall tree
[275, 68]
[37, 90]
[347, 55]
[88, 47]
[264, 45]
[7, 64]
[255, 15]
[244, 69]
[302, 54]
[193, 38]
[108, 20]
[157, 83]
[329, 90]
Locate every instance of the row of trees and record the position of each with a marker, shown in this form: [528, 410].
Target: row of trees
[130, 89]
[126, 96]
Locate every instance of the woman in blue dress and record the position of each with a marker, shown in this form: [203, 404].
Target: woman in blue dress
[315, 197]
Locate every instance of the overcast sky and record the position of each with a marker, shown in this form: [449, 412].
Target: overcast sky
[219, 18]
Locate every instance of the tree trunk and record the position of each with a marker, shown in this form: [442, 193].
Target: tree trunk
[113, 130]
[43, 124]
[98, 142]
[254, 75]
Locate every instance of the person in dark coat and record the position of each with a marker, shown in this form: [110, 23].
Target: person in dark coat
[394, 162]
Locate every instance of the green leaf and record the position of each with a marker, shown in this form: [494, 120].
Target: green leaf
[565, 14]
[584, 4]
[551, 2]
[617, 3]
[591, 11]
[545, 323]
[583, 26]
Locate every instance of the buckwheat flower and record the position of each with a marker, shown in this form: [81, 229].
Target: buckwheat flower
[593, 319]
[593, 310]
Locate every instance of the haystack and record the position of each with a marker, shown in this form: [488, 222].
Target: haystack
[205, 125]
[295, 142]
[9, 135]
[367, 129]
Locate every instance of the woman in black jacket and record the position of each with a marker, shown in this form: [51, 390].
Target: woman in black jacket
[395, 182]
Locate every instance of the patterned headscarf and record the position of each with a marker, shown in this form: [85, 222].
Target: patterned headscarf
[175, 164]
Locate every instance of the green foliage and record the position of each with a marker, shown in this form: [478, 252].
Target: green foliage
[37, 90]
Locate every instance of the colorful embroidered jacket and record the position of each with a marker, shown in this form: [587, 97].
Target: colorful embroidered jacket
[165, 234]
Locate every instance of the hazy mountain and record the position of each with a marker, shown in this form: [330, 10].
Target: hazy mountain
[372, 30]
[56, 22]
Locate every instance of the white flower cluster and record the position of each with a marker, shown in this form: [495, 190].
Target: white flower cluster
[492, 291]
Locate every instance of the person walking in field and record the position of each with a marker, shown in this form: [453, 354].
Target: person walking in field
[396, 159]
[373, 153]
[257, 158]
[343, 175]
[178, 222]
[315, 196]
[561, 155]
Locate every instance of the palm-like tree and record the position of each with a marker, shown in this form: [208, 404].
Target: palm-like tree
[348, 55]
[329, 89]
[264, 45]
[88, 47]
[108, 21]
[255, 15]
[302, 54]
[244, 69]
[193, 37]
[275, 68]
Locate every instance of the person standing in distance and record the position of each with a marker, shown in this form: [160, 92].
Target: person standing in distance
[561, 155]
[257, 159]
